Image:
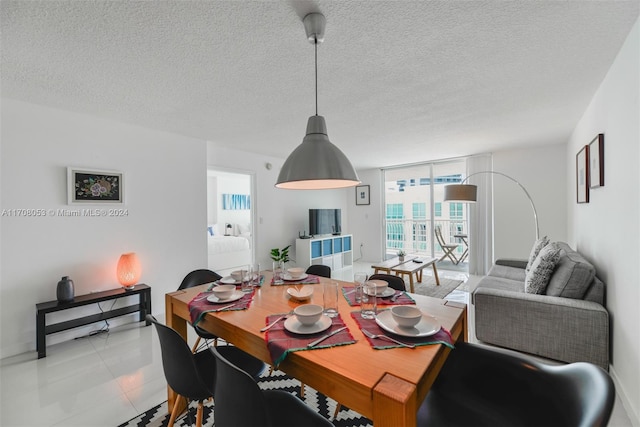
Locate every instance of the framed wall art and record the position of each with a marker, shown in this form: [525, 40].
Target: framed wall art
[94, 186]
[596, 161]
[582, 175]
[362, 195]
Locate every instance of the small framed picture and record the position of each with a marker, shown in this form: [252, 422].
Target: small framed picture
[362, 195]
[582, 175]
[596, 161]
[94, 186]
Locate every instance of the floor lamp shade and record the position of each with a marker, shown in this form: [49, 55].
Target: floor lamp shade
[317, 163]
[461, 193]
[469, 193]
[128, 270]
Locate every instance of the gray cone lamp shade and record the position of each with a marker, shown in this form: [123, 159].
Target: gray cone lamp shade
[317, 163]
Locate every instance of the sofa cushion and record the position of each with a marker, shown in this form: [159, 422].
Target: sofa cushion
[573, 274]
[535, 250]
[507, 272]
[501, 283]
[537, 278]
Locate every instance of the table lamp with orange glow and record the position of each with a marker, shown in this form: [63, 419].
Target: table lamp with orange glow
[128, 270]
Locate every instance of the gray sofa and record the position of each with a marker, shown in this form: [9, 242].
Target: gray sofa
[568, 322]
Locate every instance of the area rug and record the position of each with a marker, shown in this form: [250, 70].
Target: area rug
[429, 288]
[158, 416]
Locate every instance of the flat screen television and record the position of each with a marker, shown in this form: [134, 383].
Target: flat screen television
[325, 221]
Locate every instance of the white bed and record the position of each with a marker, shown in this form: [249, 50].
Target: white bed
[227, 252]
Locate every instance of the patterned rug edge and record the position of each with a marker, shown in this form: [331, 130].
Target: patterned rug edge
[278, 380]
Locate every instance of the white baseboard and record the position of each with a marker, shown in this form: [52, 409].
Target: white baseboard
[632, 412]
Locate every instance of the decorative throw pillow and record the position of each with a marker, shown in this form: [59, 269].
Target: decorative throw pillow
[537, 279]
[537, 246]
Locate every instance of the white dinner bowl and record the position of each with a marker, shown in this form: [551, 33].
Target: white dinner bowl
[378, 285]
[295, 272]
[308, 314]
[223, 291]
[406, 316]
[238, 274]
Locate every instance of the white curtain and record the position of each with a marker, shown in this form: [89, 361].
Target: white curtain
[481, 215]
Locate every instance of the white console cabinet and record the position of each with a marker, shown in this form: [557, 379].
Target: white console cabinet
[333, 251]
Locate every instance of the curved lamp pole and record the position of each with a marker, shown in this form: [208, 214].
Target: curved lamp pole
[468, 193]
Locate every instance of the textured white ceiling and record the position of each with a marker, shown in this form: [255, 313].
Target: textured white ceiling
[399, 81]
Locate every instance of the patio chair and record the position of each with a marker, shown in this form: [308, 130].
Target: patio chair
[447, 248]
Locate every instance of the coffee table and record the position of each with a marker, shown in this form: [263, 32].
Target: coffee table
[408, 267]
[412, 268]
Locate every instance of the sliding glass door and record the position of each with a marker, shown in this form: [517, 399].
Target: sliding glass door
[415, 207]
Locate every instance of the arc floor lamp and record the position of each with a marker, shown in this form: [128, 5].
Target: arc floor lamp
[468, 193]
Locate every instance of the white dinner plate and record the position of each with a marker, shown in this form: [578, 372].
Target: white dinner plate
[293, 325]
[427, 326]
[229, 281]
[289, 278]
[386, 293]
[300, 294]
[235, 296]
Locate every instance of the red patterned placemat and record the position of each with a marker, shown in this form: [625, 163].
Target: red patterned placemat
[441, 337]
[350, 295]
[309, 280]
[281, 342]
[199, 306]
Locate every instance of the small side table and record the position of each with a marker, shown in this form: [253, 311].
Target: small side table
[42, 309]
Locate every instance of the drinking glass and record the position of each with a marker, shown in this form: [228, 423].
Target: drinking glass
[359, 278]
[369, 300]
[277, 273]
[246, 285]
[330, 299]
[254, 274]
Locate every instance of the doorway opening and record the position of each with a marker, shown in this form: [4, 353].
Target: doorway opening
[230, 217]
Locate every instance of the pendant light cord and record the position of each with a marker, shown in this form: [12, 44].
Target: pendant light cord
[315, 45]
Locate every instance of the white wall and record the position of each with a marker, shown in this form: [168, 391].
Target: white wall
[164, 224]
[541, 170]
[607, 230]
[281, 214]
[366, 221]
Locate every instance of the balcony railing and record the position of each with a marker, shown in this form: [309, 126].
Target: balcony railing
[414, 235]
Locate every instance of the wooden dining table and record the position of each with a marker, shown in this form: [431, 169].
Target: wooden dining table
[386, 386]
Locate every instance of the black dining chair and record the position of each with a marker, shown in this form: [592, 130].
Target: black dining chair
[481, 386]
[193, 375]
[240, 401]
[197, 278]
[319, 270]
[395, 282]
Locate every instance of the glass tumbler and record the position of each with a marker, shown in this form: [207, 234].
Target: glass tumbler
[277, 273]
[369, 300]
[330, 299]
[359, 279]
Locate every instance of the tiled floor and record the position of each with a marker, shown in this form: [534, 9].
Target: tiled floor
[107, 379]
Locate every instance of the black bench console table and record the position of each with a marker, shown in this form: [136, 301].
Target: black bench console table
[42, 330]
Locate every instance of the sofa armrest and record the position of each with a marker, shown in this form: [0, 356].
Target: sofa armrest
[564, 329]
[512, 262]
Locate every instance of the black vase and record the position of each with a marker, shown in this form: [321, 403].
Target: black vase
[65, 291]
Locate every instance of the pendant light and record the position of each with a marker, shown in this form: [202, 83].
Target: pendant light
[316, 163]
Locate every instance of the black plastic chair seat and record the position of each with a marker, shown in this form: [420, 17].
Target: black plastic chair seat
[241, 402]
[319, 270]
[394, 282]
[481, 386]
